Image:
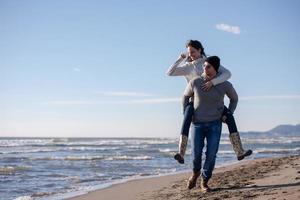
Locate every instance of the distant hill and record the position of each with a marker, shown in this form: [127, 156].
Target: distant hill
[281, 130]
[285, 129]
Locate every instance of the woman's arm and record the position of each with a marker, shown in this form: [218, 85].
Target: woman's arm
[180, 70]
[223, 75]
[233, 97]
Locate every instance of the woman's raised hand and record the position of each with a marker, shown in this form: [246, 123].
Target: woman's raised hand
[183, 55]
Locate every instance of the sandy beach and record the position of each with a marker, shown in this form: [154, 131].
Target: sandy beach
[269, 178]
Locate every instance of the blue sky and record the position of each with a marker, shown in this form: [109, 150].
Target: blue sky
[97, 68]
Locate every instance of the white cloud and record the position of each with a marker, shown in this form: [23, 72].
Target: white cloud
[156, 100]
[134, 98]
[76, 69]
[229, 28]
[73, 102]
[135, 101]
[126, 94]
[161, 100]
[271, 97]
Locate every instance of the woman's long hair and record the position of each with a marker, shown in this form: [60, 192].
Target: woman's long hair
[197, 45]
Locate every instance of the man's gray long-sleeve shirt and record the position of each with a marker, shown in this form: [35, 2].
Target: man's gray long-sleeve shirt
[209, 104]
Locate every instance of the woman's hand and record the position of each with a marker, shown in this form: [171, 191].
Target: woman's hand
[183, 55]
[206, 86]
[224, 118]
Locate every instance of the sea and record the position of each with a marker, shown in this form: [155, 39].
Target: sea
[59, 168]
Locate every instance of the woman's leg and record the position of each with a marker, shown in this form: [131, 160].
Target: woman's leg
[187, 119]
[234, 135]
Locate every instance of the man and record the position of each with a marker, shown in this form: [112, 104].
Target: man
[207, 125]
[189, 65]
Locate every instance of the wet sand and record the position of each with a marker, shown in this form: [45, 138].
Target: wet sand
[270, 178]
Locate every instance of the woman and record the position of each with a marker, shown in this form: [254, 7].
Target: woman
[191, 69]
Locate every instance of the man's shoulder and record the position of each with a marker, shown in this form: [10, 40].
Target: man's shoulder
[226, 85]
[197, 79]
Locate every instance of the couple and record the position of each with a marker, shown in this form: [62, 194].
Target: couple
[204, 106]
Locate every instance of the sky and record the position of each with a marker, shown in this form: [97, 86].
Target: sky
[87, 68]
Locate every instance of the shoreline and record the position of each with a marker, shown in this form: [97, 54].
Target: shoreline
[173, 186]
[108, 185]
[71, 195]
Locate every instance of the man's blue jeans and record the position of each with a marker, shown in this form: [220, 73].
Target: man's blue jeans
[211, 131]
[188, 116]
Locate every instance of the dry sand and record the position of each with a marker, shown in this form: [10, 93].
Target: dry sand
[270, 178]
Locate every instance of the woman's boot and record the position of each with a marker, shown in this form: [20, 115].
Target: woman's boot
[182, 148]
[237, 146]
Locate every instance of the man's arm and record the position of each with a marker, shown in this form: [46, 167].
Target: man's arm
[223, 75]
[233, 97]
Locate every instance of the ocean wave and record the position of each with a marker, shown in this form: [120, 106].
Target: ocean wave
[86, 180]
[23, 142]
[129, 158]
[130, 143]
[168, 150]
[60, 140]
[163, 171]
[137, 143]
[21, 150]
[277, 140]
[225, 152]
[90, 143]
[56, 175]
[224, 142]
[56, 142]
[41, 194]
[84, 158]
[24, 198]
[267, 150]
[137, 146]
[84, 148]
[6, 170]
[80, 158]
[159, 142]
[70, 158]
[111, 142]
[81, 142]
[17, 151]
